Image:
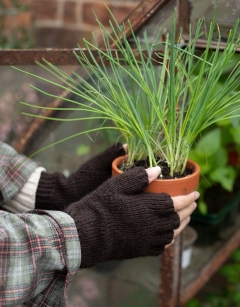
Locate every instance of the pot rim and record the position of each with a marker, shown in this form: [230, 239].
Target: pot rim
[194, 167]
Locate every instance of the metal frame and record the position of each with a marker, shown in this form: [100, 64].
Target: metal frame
[170, 263]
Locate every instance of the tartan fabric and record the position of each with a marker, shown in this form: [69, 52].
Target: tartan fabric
[39, 255]
[15, 170]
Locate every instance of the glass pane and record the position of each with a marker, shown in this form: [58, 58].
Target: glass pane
[162, 19]
[226, 16]
[14, 125]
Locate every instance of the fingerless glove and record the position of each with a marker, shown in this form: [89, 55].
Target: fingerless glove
[120, 221]
[55, 191]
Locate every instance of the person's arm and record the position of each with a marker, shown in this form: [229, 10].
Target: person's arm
[48, 191]
[39, 255]
[56, 192]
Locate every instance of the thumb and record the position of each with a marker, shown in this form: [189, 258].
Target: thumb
[133, 181]
[153, 173]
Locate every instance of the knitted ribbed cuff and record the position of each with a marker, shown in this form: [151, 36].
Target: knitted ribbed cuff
[25, 200]
[15, 170]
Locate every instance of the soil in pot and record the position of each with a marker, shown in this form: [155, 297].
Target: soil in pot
[176, 186]
[165, 170]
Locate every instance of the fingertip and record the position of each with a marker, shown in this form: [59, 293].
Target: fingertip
[170, 244]
[195, 205]
[196, 195]
[153, 173]
[125, 147]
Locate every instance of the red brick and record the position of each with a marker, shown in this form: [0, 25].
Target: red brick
[7, 3]
[119, 11]
[69, 12]
[11, 3]
[45, 9]
[25, 2]
[23, 19]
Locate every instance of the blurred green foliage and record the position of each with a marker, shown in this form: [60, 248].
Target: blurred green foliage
[229, 295]
[212, 152]
[212, 149]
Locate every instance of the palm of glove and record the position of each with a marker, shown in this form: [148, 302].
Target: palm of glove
[119, 221]
[56, 192]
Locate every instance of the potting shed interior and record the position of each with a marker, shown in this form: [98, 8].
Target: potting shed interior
[139, 282]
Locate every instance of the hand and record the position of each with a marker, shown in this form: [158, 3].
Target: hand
[184, 206]
[120, 221]
[56, 192]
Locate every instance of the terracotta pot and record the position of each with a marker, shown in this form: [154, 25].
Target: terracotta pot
[173, 187]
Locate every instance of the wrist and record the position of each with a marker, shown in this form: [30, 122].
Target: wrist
[25, 199]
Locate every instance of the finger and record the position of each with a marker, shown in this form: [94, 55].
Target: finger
[170, 244]
[180, 202]
[153, 173]
[125, 147]
[183, 224]
[187, 211]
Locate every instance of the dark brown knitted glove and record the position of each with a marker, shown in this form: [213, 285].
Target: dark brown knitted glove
[56, 192]
[120, 221]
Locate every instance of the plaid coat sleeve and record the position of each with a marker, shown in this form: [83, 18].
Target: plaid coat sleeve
[39, 255]
[15, 170]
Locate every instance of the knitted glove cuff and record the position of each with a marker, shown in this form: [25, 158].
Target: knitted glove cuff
[56, 192]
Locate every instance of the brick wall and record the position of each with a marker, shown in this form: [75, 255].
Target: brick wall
[64, 23]
[15, 24]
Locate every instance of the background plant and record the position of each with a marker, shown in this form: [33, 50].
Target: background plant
[217, 149]
[213, 153]
[159, 112]
[229, 295]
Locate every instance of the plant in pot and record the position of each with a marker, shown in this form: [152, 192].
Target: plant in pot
[152, 97]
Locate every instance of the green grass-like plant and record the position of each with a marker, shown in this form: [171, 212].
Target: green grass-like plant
[159, 108]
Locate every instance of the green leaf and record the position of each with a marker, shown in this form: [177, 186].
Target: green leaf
[227, 138]
[83, 150]
[236, 297]
[235, 121]
[211, 162]
[193, 303]
[235, 132]
[225, 176]
[201, 160]
[220, 158]
[202, 207]
[210, 143]
[236, 255]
